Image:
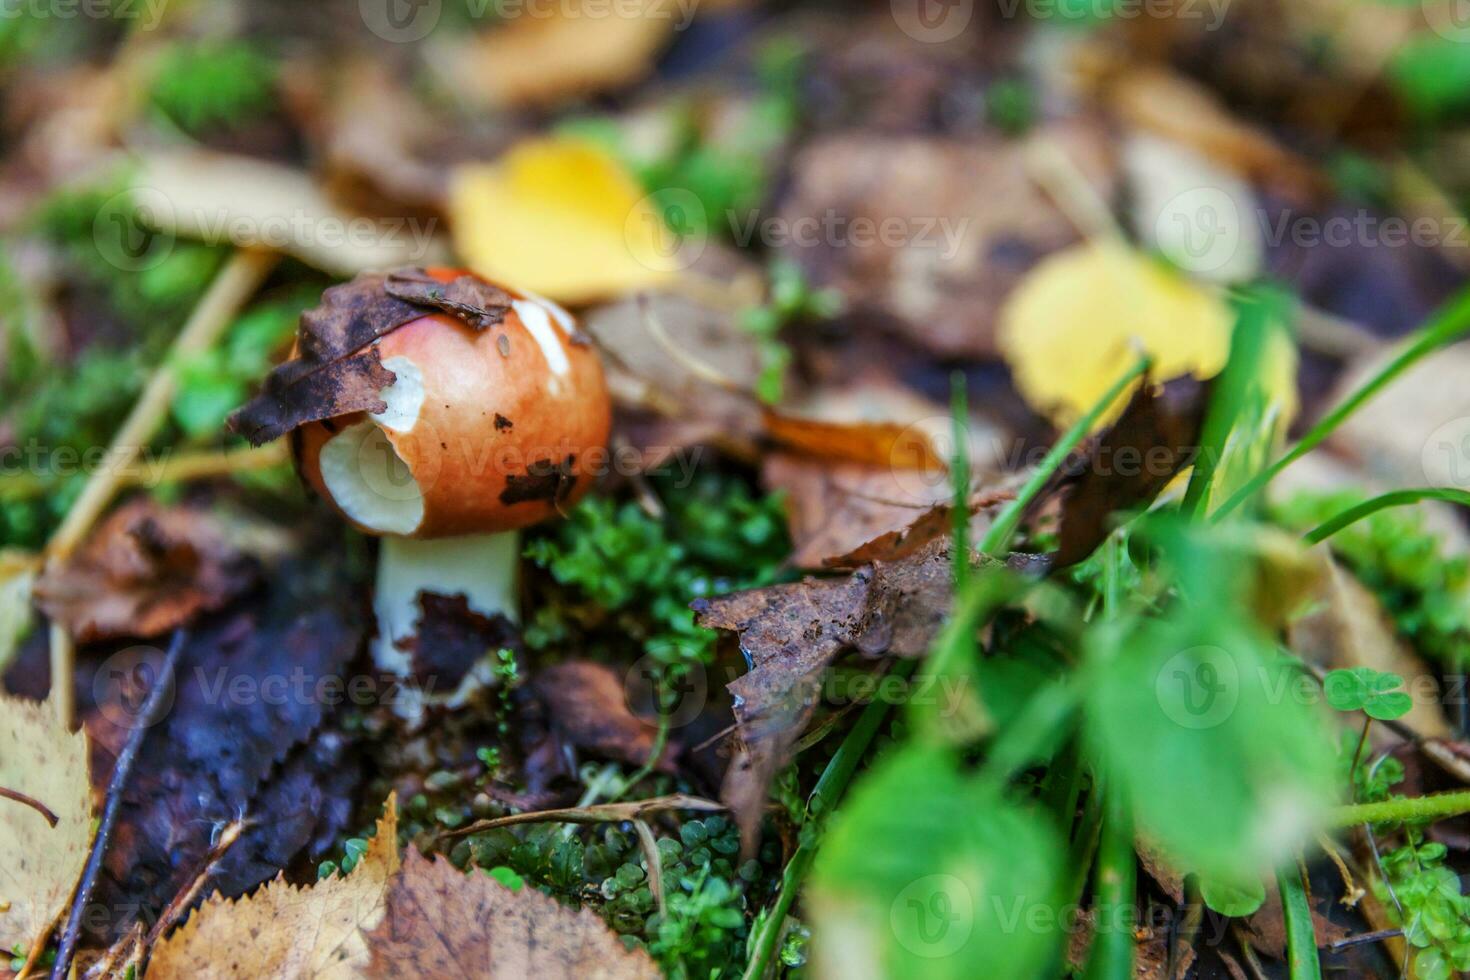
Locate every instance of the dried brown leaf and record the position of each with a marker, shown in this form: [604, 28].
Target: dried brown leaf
[442, 922]
[145, 571]
[285, 931]
[588, 708]
[336, 371]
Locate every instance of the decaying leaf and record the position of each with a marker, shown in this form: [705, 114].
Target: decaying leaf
[587, 707]
[337, 370]
[874, 443]
[791, 633]
[145, 571]
[1127, 465]
[252, 203]
[846, 515]
[441, 922]
[44, 761]
[1084, 315]
[560, 217]
[536, 59]
[285, 931]
[933, 232]
[17, 580]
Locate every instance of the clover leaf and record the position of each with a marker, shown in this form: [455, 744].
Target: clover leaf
[1369, 691]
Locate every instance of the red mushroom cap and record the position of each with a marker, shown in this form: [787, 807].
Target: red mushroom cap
[486, 431]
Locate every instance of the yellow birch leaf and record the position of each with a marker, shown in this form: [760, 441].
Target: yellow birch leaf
[1084, 314]
[562, 218]
[42, 760]
[284, 931]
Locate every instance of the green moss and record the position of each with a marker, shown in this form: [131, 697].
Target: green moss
[1425, 591]
[213, 84]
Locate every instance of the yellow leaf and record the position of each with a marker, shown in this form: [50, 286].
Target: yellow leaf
[562, 218]
[1082, 316]
[284, 931]
[42, 760]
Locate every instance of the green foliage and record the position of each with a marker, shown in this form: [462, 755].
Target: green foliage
[792, 302]
[626, 575]
[1232, 897]
[1435, 914]
[1425, 591]
[1191, 713]
[1430, 74]
[207, 85]
[971, 891]
[705, 888]
[1010, 105]
[1372, 692]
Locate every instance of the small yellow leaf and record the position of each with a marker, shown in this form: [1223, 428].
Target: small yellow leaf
[562, 218]
[1084, 314]
[42, 760]
[284, 931]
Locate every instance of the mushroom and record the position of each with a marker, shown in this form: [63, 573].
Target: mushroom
[486, 431]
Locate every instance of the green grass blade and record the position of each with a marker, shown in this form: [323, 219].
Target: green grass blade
[1301, 938]
[1394, 498]
[1114, 889]
[1450, 323]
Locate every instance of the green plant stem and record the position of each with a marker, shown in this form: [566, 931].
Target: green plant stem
[1114, 889]
[959, 470]
[1256, 317]
[1395, 498]
[1041, 725]
[829, 789]
[1301, 939]
[1414, 809]
[1450, 323]
[998, 537]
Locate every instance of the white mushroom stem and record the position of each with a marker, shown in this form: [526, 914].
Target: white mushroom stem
[481, 567]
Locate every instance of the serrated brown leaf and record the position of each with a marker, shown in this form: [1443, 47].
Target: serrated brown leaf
[147, 570]
[44, 761]
[791, 633]
[281, 930]
[442, 922]
[335, 370]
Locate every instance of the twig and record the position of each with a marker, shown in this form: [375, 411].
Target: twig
[152, 708]
[31, 802]
[234, 285]
[601, 813]
[1364, 938]
[180, 903]
[654, 862]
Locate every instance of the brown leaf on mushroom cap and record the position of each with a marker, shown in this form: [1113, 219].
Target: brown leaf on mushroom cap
[145, 571]
[442, 922]
[335, 370]
[588, 708]
[791, 633]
